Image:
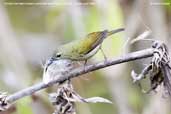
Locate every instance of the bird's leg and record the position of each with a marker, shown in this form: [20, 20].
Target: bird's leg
[85, 63]
[103, 53]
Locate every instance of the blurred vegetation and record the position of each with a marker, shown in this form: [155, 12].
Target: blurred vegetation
[38, 29]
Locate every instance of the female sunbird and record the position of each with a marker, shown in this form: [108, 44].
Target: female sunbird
[79, 50]
[83, 49]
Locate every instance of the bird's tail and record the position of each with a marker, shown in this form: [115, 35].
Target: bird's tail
[115, 31]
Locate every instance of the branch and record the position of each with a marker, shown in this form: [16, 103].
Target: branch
[78, 72]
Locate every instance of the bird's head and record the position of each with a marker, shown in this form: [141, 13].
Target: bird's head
[57, 54]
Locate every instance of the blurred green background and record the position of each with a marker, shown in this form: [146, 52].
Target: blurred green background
[30, 30]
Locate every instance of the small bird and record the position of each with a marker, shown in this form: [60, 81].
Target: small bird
[83, 49]
[79, 50]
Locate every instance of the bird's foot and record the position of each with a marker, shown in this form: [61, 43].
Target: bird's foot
[105, 57]
[85, 63]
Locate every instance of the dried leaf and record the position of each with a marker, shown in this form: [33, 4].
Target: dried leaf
[52, 97]
[158, 70]
[3, 104]
[97, 100]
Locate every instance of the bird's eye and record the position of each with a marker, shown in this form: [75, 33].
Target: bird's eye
[58, 55]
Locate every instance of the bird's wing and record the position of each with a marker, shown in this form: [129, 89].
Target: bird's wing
[100, 36]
